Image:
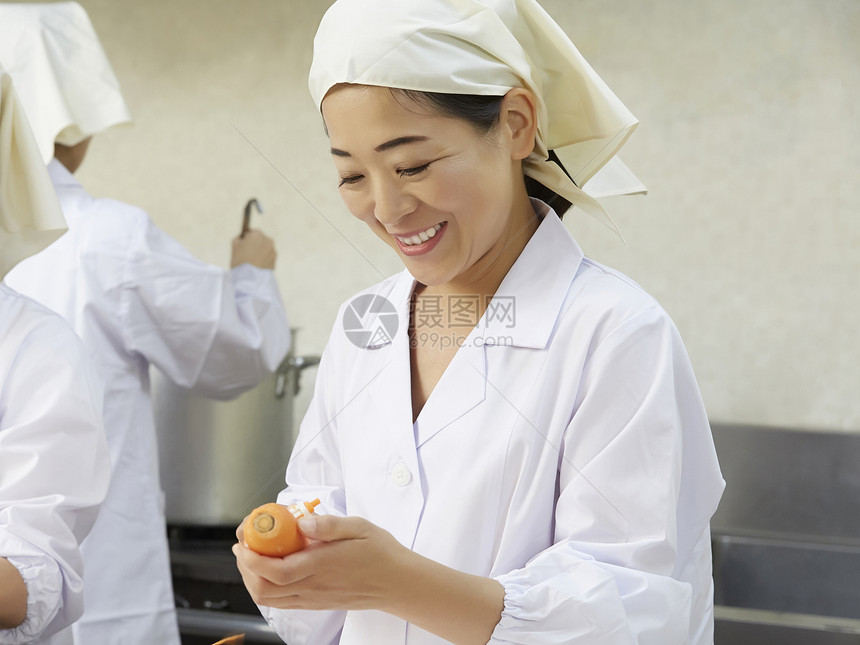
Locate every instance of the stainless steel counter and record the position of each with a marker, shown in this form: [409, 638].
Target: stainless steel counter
[786, 538]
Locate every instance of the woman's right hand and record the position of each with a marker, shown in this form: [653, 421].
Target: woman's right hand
[255, 248]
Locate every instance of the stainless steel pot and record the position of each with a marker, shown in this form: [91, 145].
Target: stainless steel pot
[221, 459]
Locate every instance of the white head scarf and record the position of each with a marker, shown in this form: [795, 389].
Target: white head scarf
[30, 216]
[483, 47]
[61, 73]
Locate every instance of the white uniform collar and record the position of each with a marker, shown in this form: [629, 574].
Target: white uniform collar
[524, 311]
[60, 176]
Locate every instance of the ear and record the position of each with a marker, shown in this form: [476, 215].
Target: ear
[518, 117]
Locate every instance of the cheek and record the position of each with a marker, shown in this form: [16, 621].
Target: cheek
[361, 208]
[475, 195]
[357, 204]
[457, 189]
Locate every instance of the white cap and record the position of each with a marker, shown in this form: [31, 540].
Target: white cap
[61, 73]
[482, 47]
[30, 215]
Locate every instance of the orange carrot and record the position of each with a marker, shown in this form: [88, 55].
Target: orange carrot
[271, 529]
[238, 639]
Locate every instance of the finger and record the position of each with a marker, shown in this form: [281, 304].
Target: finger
[247, 236]
[240, 530]
[328, 528]
[288, 570]
[256, 234]
[265, 592]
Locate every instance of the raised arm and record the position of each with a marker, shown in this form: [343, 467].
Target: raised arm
[217, 331]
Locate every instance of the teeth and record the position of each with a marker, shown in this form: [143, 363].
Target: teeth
[423, 236]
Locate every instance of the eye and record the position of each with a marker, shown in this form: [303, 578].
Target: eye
[352, 179]
[411, 172]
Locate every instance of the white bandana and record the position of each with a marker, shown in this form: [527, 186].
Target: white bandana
[30, 216]
[484, 47]
[61, 73]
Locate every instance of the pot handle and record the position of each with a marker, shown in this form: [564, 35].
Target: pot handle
[293, 364]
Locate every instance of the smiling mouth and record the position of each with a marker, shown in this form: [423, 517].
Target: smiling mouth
[421, 237]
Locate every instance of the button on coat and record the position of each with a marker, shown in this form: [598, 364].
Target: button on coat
[400, 475]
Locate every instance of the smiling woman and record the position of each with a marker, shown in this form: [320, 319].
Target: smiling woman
[551, 489]
[409, 170]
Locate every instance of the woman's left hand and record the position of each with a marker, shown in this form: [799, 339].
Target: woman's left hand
[349, 564]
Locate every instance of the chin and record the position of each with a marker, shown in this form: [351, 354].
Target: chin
[426, 275]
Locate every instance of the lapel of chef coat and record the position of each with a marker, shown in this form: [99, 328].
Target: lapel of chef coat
[390, 385]
[535, 288]
[387, 363]
[460, 389]
[522, 314]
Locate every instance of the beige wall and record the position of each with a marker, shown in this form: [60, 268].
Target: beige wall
[750, 235]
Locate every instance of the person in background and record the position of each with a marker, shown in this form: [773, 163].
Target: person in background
[137, 298]
[526, 458]
[54, 460]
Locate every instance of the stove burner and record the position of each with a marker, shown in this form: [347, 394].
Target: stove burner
[211, 599]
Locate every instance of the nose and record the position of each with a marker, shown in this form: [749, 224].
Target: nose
[390, 202]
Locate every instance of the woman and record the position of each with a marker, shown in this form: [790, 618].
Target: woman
[541, 473]
[137, 298]
[54, 463]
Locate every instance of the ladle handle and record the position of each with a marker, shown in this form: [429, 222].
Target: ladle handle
[246, 217]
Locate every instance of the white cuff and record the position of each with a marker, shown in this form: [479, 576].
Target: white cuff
[44, 582]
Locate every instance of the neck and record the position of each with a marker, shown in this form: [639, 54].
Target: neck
[66, 163]
[72, 156]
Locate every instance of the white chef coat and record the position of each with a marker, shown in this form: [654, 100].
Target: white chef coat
[54, 465]
[136, 296]
[565, 452]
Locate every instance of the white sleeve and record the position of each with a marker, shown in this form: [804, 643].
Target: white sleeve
[219, 332]
[638, 481]
[314, 471]
[54, 469]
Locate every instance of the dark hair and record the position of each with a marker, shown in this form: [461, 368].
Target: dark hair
[482, 112]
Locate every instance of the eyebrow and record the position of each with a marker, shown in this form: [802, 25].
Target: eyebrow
[382, 147]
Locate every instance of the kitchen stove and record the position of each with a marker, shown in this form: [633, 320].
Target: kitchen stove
[211, 601]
